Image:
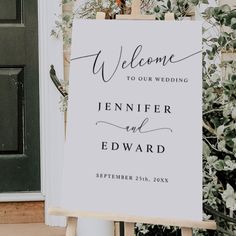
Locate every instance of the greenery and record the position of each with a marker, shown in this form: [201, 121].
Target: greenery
[219, 99]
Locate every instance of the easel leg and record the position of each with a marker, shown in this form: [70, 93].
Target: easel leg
[117, 229]
[186, 232]
[129, 229]
[71, 226]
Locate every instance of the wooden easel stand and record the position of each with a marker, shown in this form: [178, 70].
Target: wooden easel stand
[71, 226]
[185, 225]
[72, 217]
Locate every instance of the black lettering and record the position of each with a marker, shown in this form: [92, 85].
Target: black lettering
[108, 106]
[119, 106]
[149, 148]
[167, 109]
[146, 107]
[104, 145]
[114, 146]
[127, 146]
[139, 148]
[157, 108]
[99, 106]
[160, 149]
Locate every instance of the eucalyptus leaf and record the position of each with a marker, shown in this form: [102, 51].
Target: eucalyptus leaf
[229, 165]
[219, 165]
[220, 130]
[225, 8]
[233, 23]
[233, 114]
[206, 150]
[169, 4]
[221, 145]
[211, 159]
[229, 197]
[209, 12]
[222, 41]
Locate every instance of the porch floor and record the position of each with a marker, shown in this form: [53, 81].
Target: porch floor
[36, 229]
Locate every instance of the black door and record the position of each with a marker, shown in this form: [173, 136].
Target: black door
[19, 96]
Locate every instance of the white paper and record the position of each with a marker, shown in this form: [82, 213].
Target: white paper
[134, 138]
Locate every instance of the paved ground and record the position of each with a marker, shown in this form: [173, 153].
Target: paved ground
[30, 230]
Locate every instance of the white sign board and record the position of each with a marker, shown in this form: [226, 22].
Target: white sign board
[134, 137]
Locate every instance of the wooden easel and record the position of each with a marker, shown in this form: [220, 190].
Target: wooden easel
[72, 217]
[185, 225]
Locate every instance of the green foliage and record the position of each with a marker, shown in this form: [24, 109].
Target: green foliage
[219, 114]
[88, 10]
[219, 98]
[229, 196]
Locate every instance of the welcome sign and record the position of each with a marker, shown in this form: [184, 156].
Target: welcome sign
[134, 119]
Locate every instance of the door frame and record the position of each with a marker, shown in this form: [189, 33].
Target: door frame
[51, 118]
